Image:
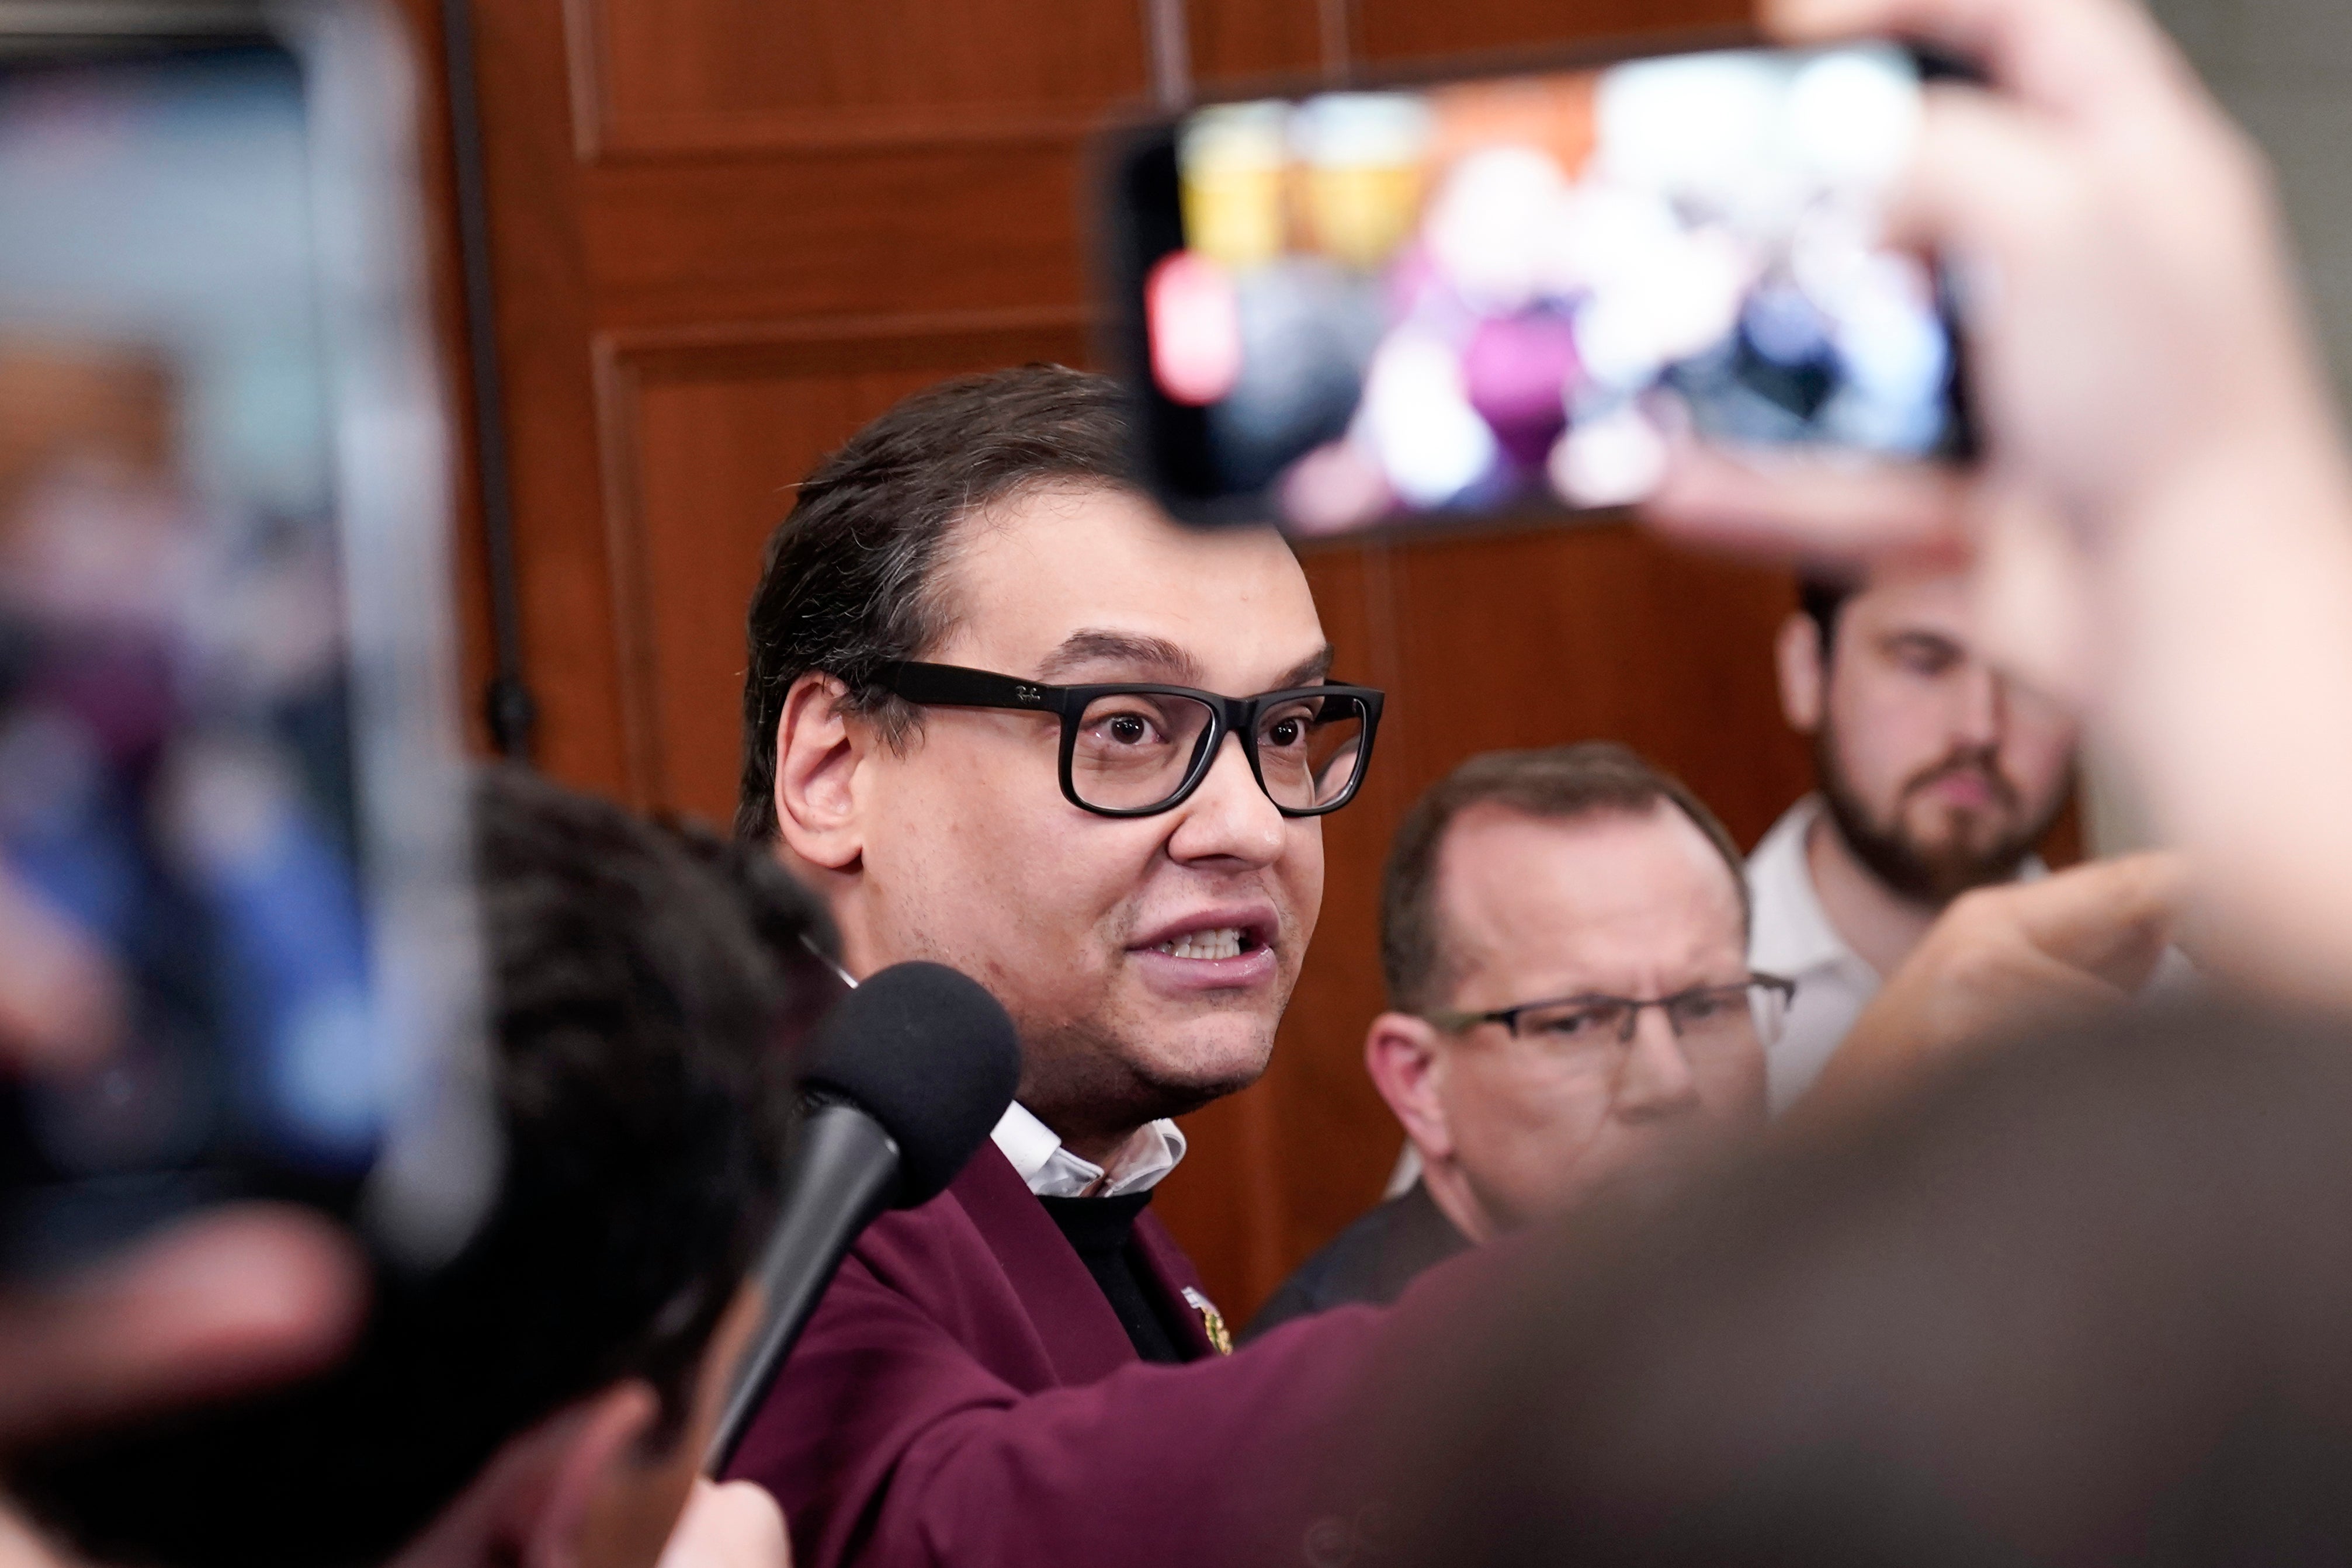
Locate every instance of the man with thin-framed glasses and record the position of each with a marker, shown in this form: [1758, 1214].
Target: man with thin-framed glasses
[1003, 714]
[1564, 937]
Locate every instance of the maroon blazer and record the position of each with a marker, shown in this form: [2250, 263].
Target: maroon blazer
[964, 1395]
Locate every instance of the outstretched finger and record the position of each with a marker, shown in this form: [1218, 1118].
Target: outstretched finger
[2110, 918]
[1985, 177]
[236, 1299]
[1819, 511]
[1923, 1016]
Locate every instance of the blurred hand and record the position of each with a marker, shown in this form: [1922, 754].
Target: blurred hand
[2002, 960]
[728, 1524]
[2129, 305]
[20, 1548]
[2161, 528]
[241, 1296]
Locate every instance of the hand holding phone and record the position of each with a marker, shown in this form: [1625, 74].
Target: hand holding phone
[2162, 523]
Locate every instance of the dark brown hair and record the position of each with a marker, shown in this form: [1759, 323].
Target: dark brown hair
[1555, 783]
[1824, 599]
[849, 581]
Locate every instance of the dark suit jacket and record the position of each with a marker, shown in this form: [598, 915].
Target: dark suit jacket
[1369, 1262]
[964, 1395]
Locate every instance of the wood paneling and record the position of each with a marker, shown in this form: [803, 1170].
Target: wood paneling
[547, 318]
[706, 434]
[1236, 40]
[932, 228]
[837, 245]
[766, 76]
[1410, 30]
[727, 231]
[1533, 638]
[444, 272]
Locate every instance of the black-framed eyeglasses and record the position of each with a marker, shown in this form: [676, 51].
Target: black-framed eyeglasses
[1759, 1002]
[1135, 748]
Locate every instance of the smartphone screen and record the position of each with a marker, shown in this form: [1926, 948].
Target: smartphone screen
[213, 640]
[1364, 309]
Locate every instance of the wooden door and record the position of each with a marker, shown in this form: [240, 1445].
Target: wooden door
[727, 232]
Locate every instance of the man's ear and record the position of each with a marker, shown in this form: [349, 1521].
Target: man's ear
[1799, 656]
[820, 747]
[1402, 1054]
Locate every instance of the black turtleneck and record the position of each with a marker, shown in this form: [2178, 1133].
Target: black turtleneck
[1102, 1232]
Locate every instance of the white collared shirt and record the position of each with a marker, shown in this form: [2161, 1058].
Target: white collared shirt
[1053, 1171]
[1791, 936]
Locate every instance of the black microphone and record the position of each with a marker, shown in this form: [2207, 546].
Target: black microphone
[905, 1078]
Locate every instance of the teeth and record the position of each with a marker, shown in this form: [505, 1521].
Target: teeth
[1224, 942]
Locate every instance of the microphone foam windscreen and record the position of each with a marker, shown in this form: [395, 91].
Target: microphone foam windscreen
[932, 1055]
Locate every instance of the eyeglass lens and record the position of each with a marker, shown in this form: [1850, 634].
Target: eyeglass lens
[1135, 750]
[1309, 751]
[1714, 1013]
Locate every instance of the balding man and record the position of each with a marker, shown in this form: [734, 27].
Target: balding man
[1564, 934]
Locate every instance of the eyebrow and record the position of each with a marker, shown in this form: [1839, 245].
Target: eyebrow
[1922, 639]
[1313, 670]
[1159, 657]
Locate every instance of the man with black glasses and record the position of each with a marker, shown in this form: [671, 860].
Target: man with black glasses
[1005, 715]
[1564, 936]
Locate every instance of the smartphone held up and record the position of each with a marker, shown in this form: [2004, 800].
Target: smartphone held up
[227, 770]
[1507, 294]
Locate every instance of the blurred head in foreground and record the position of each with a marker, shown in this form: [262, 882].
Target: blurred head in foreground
[1556, 885]
[545, 1397]
[2082, 1301]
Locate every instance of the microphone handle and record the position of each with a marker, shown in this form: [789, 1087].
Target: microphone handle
[844, 1170]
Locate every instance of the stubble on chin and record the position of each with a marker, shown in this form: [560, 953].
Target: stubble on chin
[1117, 1065]
[1975, 848]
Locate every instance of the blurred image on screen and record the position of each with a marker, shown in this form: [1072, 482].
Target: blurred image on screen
[177, 771]
[1505, 293]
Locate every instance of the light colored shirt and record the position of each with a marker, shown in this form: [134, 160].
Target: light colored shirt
[1791, 936]
[1053, 1171]
[1406, 1172]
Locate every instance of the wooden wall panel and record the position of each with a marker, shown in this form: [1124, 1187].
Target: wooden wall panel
[700, 75]
[1236, 40]
[421, 23]
[708, 243]
[1598, 632]
[1409, 29]
[545, 326]
[707, 435]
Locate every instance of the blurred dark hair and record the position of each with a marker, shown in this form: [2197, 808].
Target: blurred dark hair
[849, 581]
[1556, 784]
[1823, 598]
[2083, 1300]
[643, 1036]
